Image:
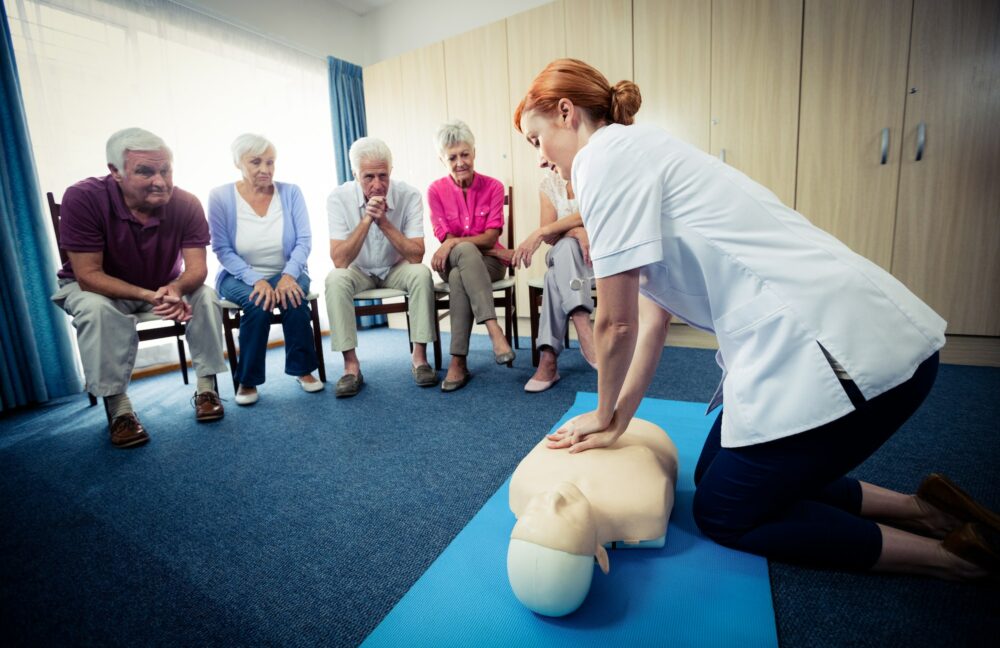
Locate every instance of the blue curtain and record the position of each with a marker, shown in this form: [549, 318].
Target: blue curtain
[347, 112]
[36, 353]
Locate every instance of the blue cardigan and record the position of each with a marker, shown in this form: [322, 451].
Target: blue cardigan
[296, 237]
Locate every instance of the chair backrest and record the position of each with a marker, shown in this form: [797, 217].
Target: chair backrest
[508, 202]
[54, 215]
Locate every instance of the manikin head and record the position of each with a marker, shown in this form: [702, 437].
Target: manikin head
[550, 560]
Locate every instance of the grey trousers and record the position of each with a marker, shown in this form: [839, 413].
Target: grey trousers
[108, 341]
[342, 284]
[470, 277]
[565, 261]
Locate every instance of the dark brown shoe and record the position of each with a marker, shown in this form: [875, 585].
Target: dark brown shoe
[940, 492]
[207, 406]
[976, 543]
[127, 431]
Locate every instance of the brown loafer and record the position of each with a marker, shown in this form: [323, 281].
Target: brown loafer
[207, 407]
[424, 376]
[942, 493]
[348, 385]
[127, 431]
[976, 543]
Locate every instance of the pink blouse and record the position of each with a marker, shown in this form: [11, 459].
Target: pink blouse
[466, 215]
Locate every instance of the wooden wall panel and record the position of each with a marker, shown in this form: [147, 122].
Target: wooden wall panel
[600, 33]
[673, 56]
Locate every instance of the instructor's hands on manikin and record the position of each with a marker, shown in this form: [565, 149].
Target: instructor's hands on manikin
[586, 431]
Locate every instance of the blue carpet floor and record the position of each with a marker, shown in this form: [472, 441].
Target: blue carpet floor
[303, 519]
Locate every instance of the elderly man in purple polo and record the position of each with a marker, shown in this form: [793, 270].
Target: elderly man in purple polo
[126, 235]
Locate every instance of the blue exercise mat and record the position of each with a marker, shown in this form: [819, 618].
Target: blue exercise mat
[692, 592]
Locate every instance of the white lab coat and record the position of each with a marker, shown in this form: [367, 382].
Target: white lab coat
[722, 252]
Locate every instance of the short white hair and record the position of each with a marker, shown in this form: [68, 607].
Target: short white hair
[371, 149]
[251, 143]
[454, 133]
[132, 139]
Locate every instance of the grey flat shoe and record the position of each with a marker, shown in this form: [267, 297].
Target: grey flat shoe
[504, 358]
[455, 385]
[349, 385]
[424, 375]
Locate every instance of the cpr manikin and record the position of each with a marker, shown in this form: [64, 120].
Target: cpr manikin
[569, 506]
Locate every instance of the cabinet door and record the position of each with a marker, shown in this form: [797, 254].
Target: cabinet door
[382, 87]
[534, 39]
[599, 32]
[475, 66]
[853, 93]
[756, 56]
[947, 243]
[673, 56]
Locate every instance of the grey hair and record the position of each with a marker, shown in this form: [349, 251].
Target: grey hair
[369, 148]
[132, 139]
[454, 133]
[250, 143]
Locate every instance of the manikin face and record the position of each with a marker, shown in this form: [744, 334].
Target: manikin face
[258, 170]
[147, 181]
[461, 161]
[562, 513]
[373, 176]
[554, 136]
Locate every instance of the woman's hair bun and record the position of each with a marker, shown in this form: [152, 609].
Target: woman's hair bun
[625, 102]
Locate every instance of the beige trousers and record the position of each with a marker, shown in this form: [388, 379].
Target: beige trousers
[108, 341]
[470, 277]
[342, 284]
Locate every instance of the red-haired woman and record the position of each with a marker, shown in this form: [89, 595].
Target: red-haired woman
[824, 354]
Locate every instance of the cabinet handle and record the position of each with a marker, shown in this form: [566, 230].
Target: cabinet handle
[722, 155]
[921, 140]
[885, 146]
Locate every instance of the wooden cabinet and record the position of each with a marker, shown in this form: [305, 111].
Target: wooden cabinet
[756, 61]
[851, 120]
[600, 33]
[947, 241]
[672, 44]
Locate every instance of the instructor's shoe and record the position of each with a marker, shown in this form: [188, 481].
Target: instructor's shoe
[208, 407]
[127, 431]
[976, 543]
[940, 492]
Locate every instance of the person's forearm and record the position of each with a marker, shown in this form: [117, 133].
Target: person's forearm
[409, 249]
[345, 253]
[615, 341]
[653, 326]
[190, 280]
[111, 287]
[485, 241]
[561, 226]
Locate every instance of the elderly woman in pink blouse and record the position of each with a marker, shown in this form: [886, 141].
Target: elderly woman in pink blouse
[467, 215]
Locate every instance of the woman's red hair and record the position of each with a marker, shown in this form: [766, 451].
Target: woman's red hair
[586, 87]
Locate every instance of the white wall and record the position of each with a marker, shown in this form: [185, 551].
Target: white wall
[323, 28]
[318, 27]
[405, 25]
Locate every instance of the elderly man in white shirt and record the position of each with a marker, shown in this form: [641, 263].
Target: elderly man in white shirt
[377, 241]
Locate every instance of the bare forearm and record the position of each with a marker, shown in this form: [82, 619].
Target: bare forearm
[615, 341]
[344, 252]
[410, 249]
[190, 280]
[485, 241]
[653, 326]
[113, 288]
[561, 226]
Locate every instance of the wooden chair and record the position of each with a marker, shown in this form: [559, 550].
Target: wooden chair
[507, 300]
[536, 288]
[231, 313]
[386, 308]
[148, 326]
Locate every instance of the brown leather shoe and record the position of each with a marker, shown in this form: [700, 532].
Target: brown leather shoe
[976, 543]
[207, 406]
[942, 493]
[127, 431]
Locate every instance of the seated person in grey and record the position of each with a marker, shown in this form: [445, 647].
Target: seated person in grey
[126, 235]
[377, 241]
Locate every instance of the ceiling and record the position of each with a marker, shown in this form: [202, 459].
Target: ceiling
[362, 7]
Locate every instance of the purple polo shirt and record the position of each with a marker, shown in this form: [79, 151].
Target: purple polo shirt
[94, 218]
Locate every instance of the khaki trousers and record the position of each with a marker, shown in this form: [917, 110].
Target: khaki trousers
[108, 340]
[342, 284]
[470, 277]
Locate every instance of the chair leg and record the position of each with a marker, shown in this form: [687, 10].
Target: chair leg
[568, 319]
[409, 338]
[437, 342]
[534, 304]
[183, 358]
[317, 338]
[508, 323]
[92, 399]
[107, 410]
[513, 317]
[228, 322]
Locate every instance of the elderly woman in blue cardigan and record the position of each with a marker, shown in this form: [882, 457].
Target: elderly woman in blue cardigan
[260, 232]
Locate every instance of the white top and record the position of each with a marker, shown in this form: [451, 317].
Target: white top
[723, 253]
[554, 188]
[345, 208]
[258, 238]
